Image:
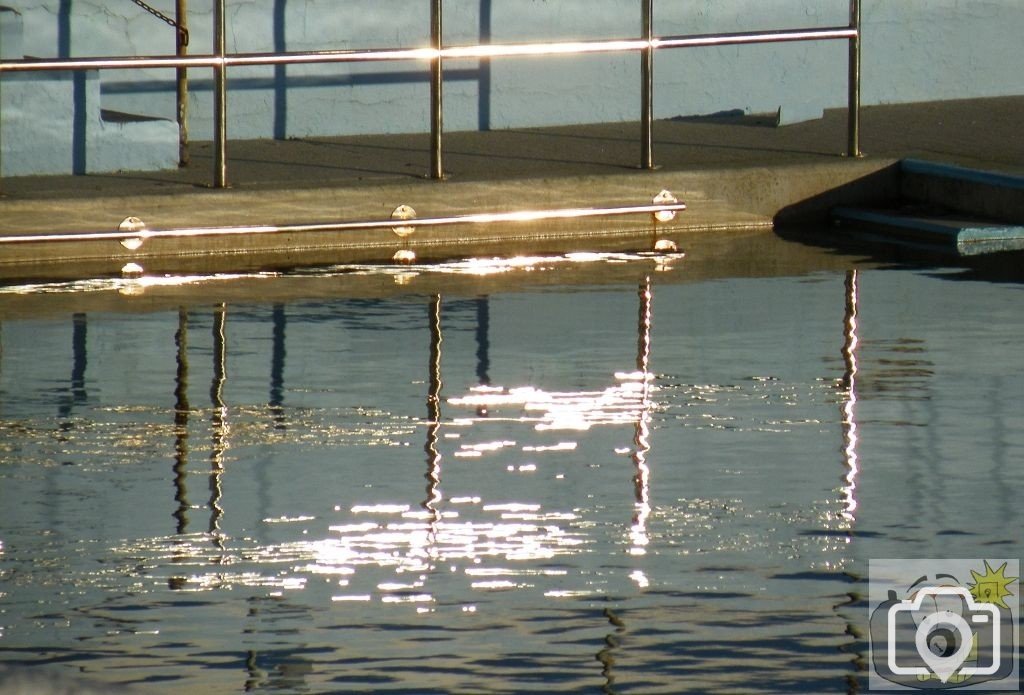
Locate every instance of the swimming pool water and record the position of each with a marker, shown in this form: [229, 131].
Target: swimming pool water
[574, 474]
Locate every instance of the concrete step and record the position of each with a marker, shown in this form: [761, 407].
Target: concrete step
[969, 191]
[964, 211]
[963, 235]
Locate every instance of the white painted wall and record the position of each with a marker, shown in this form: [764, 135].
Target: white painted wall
[914, 50]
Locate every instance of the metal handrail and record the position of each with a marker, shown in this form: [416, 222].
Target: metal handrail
[402, 226]
[437, 53]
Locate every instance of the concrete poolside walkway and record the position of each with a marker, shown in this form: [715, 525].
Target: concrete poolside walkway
[733, 172]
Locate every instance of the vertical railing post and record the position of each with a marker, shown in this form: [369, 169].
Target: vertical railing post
[853, 107]
[1, 130]
[220, 99]
[436, 92]
[181, 49]
[647, 86]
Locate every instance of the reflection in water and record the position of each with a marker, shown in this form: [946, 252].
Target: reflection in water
[337, 571]
[849, 384]
[257, 676]
[642, 434]
[277, 357]
[220, 425]
[77, 394]
[81, 360]
[606, 656]
[483, 347]
[560, 410]
[181, 414]
[483, 343]
[848, 423]
[433, 474]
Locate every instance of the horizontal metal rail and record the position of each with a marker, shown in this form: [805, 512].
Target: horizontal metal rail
[485, 218]
[436, 54]
[422, 54]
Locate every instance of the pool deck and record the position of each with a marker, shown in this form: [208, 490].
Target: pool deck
[733, 172]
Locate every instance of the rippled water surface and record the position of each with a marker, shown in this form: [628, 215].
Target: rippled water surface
[553, 475]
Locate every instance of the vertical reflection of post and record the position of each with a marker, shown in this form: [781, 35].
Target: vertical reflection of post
[483, 347]
[81, 358]
[219, 423]
[79, 362]
[433, 474]
[483, 342]
[181, 410]
[256, 676]
[849, 385]
[277, 356]
[641, 436]
[607, 653]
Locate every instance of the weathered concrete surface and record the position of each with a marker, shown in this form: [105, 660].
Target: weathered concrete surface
[733, 173]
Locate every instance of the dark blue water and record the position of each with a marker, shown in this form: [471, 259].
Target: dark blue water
[601, 474]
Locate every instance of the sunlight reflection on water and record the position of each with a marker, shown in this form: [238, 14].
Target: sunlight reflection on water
[621, 486]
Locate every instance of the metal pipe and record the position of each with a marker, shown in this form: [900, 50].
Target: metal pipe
[743, 37]
[181, 82]
[647, 86]
[853, 107]
[214, 61]
[429, 54]
[389, 224]
[220, 98]
[436, 91]
[109, 63]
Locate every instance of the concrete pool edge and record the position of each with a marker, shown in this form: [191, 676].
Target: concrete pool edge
[733, 173]
[718, 201]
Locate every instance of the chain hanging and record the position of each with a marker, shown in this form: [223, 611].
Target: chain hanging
[182, 31]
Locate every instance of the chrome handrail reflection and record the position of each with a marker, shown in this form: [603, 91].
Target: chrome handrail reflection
[220, 426]
[641, 437]
[433, 474]
[849, 384]
[181, 416]
[277, 357]
[182, 408]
